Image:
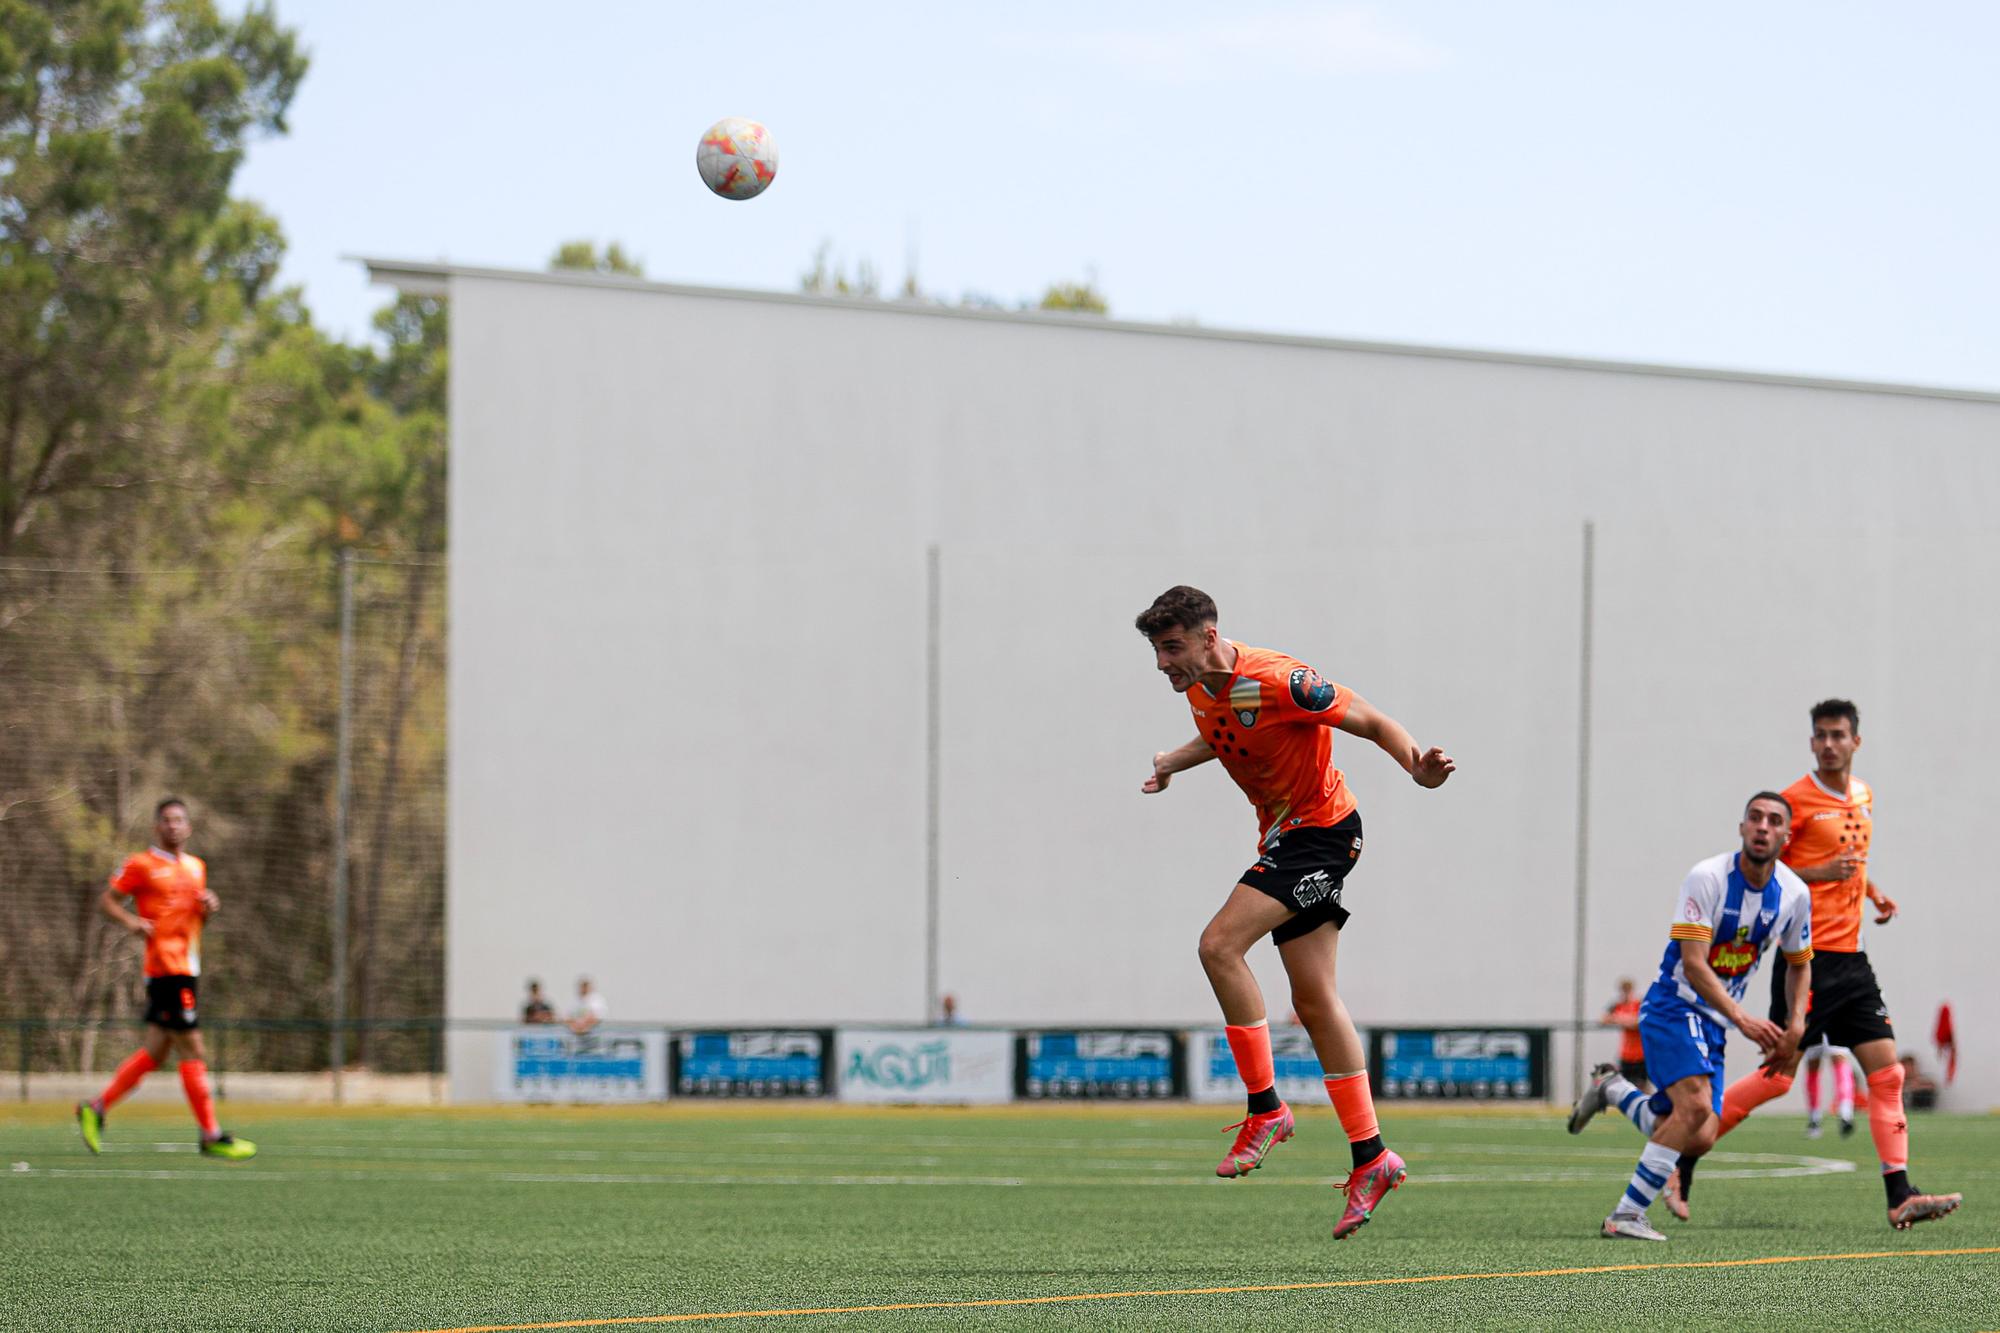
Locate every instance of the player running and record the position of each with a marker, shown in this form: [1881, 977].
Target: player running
[169, 887]
[1731, 907]
[1269, 719]
[1833, 823]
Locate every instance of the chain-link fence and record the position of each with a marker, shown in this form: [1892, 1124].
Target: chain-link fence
[299, 710]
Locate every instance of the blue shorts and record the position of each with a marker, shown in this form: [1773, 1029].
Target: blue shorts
[1681, 1043]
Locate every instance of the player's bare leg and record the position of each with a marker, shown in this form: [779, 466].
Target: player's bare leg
[1245, 918]
[1891, 1130]
[1310, 963]
[1688, 1128]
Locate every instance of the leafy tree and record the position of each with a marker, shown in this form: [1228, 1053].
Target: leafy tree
[1082, 297]
[121, 125]
[828, 276]
[584, 256]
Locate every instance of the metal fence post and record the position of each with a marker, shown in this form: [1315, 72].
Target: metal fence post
[343, 759]
[933, 767]
[1578, 1002]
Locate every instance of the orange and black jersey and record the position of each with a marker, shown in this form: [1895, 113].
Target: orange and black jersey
[1826, 823]
[1272, 728]
[166, 890]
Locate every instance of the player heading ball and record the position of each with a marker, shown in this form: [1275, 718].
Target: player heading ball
[1270, 719]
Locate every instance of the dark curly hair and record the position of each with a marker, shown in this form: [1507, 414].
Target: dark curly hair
[1179, 607]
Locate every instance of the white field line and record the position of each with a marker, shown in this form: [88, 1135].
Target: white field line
[1429, 1152]
[1781, 1164]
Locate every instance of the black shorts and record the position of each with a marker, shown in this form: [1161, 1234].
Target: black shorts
[1634, 1071]
[1304, 869]
[170, 1003]
[1844, 1005]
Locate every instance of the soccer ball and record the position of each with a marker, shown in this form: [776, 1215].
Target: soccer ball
[737, 158]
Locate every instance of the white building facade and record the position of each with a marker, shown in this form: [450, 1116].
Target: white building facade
[793, 674]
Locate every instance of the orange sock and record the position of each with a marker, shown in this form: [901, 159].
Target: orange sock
[1886, 1121]
[194, 1080]
[1251, 1045]
[137, 1065]
[1748, 1093]
[1354, 1105]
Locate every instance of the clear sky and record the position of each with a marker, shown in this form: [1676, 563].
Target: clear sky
[1784, 186]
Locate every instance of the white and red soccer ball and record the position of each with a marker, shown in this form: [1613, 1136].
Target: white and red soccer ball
[736, 158]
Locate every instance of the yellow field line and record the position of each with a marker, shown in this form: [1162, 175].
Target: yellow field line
[1214, 1291]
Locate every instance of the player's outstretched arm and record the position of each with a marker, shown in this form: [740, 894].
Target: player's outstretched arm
[1169, 762]
[1428, 768]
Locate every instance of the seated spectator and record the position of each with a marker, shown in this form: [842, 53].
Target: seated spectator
[1920, 1090]
[537, 1009]
[590, 1008]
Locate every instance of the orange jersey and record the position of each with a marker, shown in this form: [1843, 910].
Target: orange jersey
[1272, 728]
[166, 891]
[1630, 1049]
[1824, 825]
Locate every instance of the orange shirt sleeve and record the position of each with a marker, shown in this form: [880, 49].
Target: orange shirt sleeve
[130, 877]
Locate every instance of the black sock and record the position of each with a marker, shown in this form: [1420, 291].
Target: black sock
[1899, 1186]
[1687, 1174]
[1265, 1102]
[1366, 1151]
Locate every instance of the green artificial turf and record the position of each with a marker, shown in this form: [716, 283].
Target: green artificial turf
[408, 1220]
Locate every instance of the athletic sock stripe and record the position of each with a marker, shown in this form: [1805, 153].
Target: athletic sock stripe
[1658, 1182]
[1640, 1200]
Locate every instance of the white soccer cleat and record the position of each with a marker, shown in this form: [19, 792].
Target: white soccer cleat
[1624, 1226]
[1594, 1099]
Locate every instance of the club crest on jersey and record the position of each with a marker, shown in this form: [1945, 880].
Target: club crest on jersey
[1310, 691]
[1246, 698]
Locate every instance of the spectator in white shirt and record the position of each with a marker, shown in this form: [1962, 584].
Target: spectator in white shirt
[590, 1008]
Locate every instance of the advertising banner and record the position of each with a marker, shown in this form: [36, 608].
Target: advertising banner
[1110, 1064]
[553, 1064]
[753, 1062]
[1462, 1064]
[1212, 1069]
[931, 1065]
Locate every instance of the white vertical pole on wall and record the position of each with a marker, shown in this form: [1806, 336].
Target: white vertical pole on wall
[1579, 1000]
[342, 762]
[933, 761]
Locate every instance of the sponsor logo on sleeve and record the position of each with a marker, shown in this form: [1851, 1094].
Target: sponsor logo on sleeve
[1312, 692]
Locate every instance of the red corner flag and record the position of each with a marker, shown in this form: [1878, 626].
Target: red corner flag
[1946, 1041]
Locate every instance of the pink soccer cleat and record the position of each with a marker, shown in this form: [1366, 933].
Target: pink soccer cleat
[1366, 1187]
[1255, 1136]
[1923, 1208]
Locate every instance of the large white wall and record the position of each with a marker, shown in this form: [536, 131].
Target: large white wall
[688, 662]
